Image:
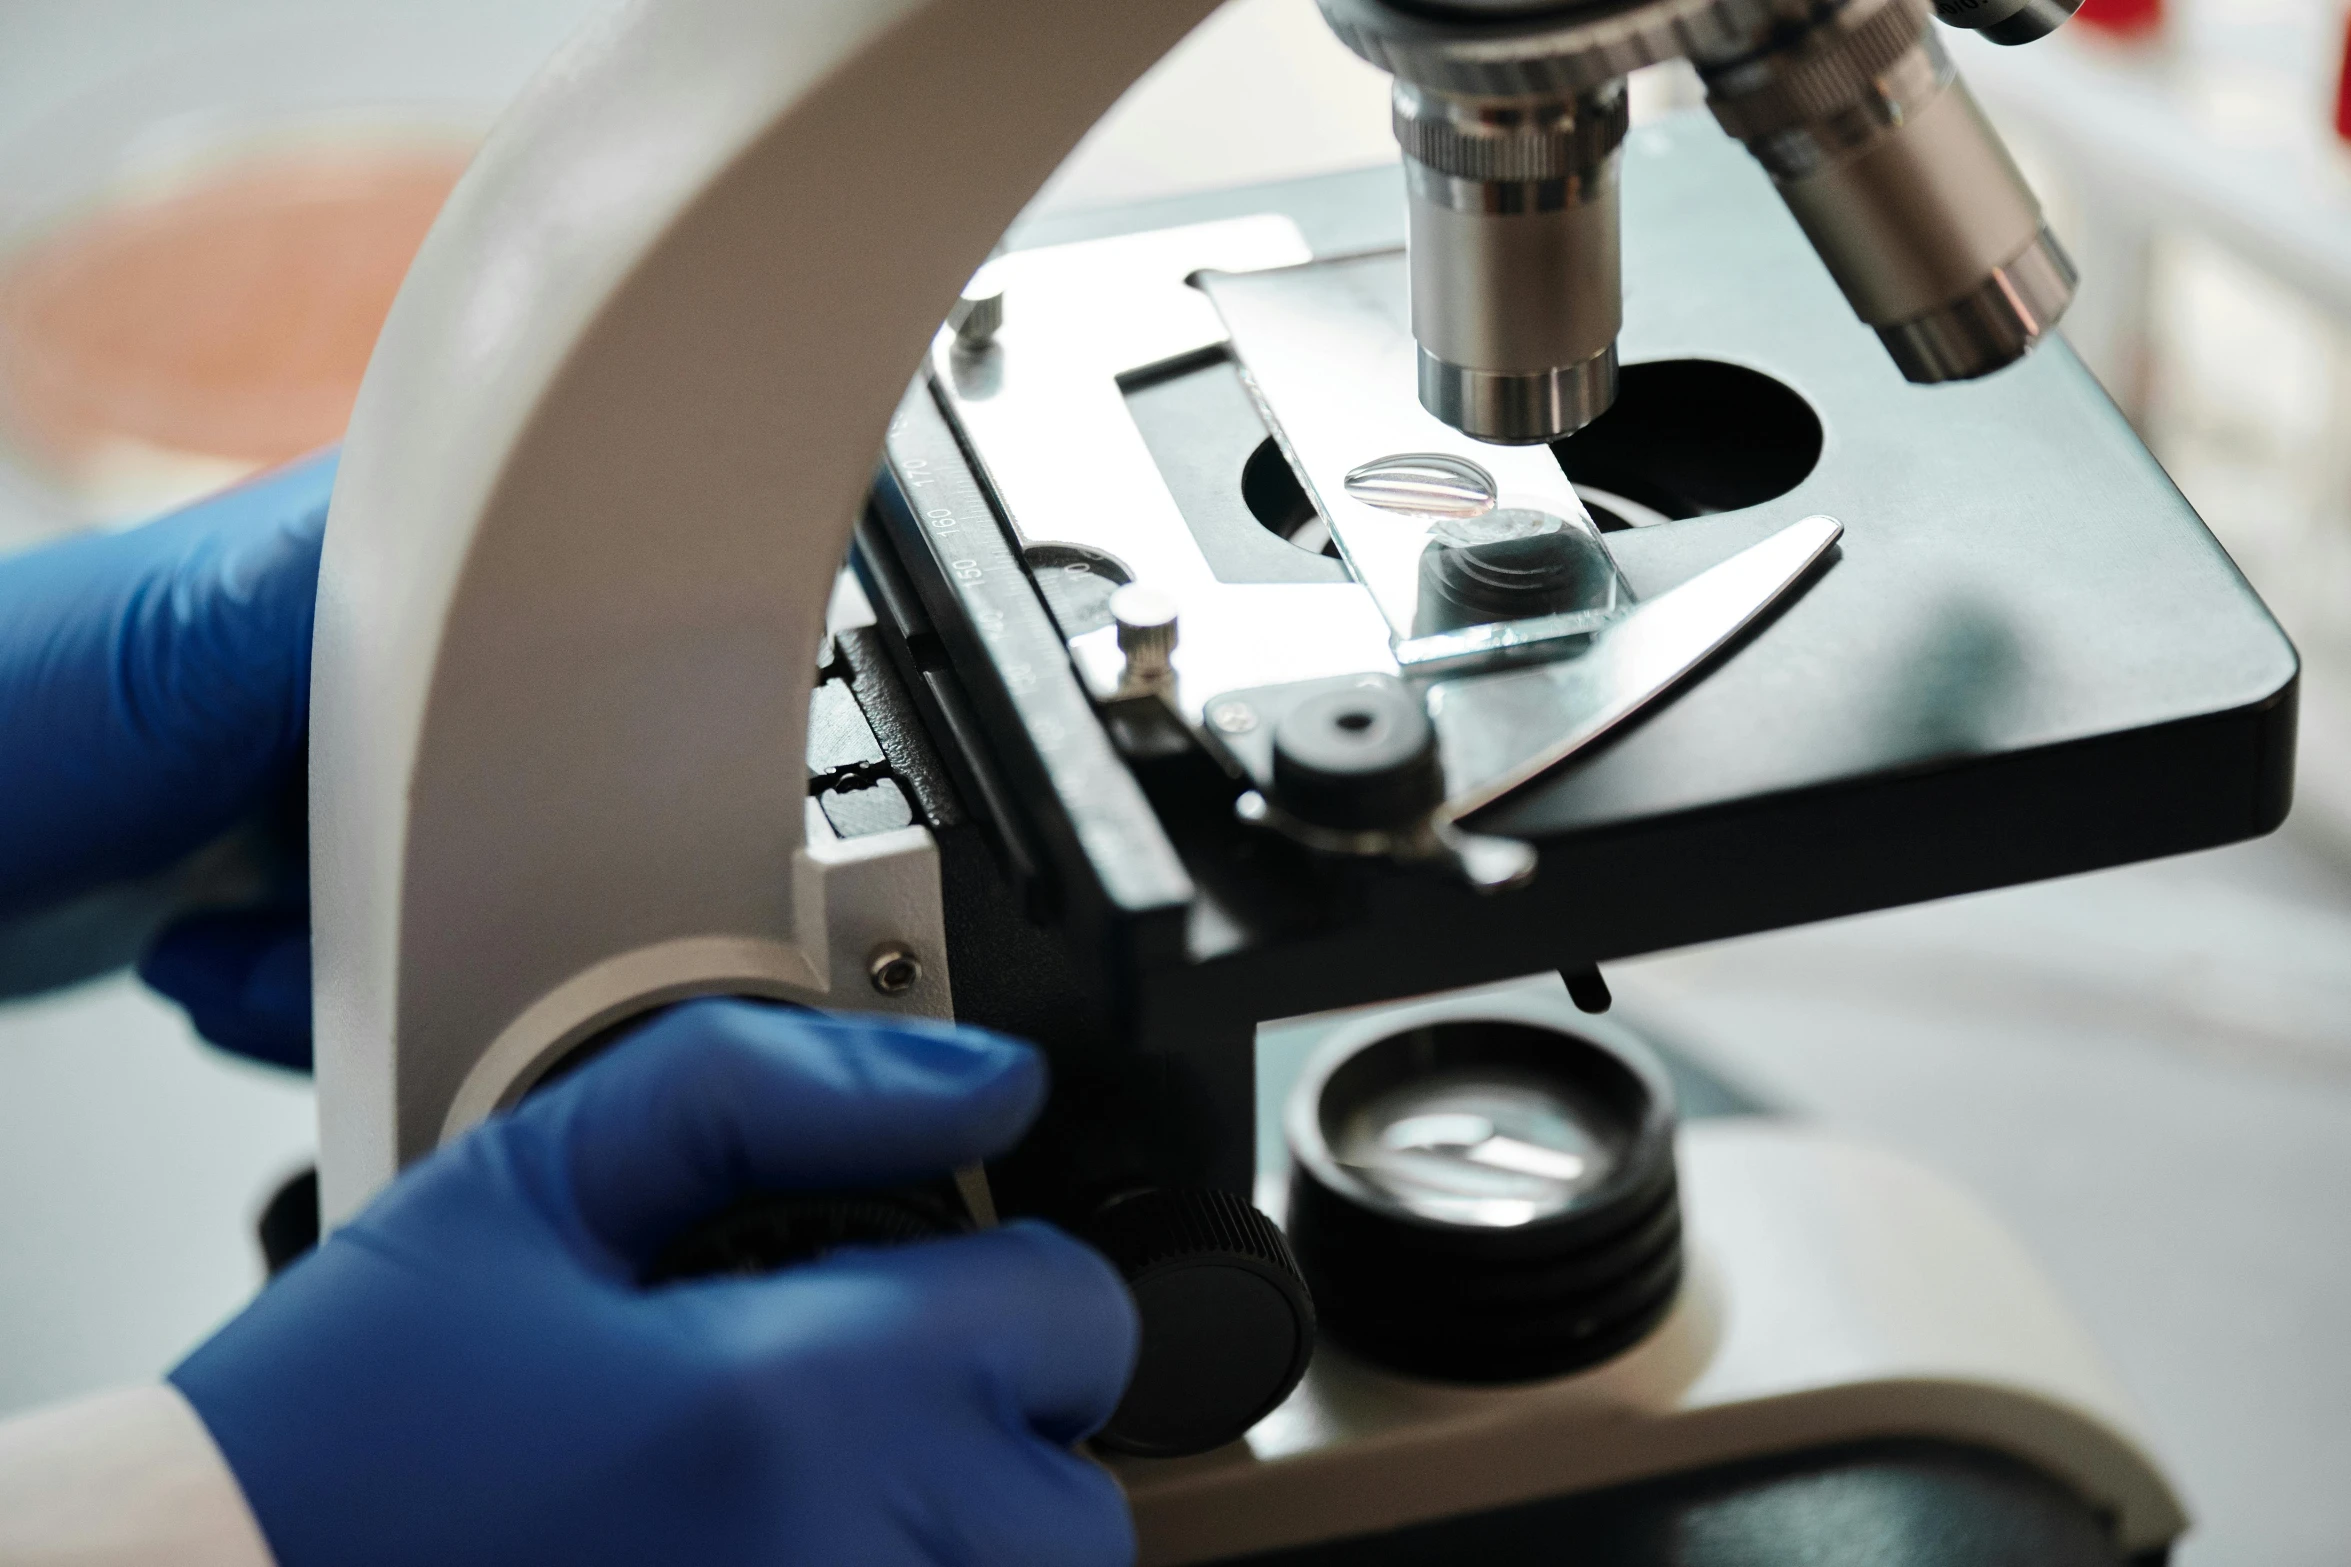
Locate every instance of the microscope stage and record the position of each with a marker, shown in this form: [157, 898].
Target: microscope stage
[2027, 657]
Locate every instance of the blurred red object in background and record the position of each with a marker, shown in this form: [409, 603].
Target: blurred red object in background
[231, 318]
[2131, 18]
[2343, 88]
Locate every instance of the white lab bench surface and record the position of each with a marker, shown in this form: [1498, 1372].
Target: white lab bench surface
[2147, 1074]
[132, 1164]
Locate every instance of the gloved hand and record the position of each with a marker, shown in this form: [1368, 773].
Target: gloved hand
[154, 683]
[244, 977]
[471, 1373]
[154, 690]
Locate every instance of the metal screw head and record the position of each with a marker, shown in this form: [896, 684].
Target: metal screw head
[894, 971]
[1233, 718]
[976, 318]
[1146, 621]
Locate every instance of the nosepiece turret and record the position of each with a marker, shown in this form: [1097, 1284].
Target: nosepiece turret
[1511, 116]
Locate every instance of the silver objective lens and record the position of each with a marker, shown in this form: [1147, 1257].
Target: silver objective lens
[1516, 297]
[1903, 187]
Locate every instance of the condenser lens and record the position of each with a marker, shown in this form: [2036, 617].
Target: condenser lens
[1489, 1152]
[1485, 1199]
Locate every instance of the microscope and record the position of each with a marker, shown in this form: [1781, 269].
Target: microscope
[1377, 600]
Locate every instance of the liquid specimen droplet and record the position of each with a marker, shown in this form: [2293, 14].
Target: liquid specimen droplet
[1429, 484]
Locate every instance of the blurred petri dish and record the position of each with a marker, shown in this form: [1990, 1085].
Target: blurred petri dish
[113, 109]
[179, 334]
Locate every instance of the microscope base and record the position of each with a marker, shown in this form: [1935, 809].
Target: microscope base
[1880, 1504]
[1849, 1318]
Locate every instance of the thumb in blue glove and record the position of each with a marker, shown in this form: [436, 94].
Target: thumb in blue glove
[472, 1372]
[243, 975]
[154, 692]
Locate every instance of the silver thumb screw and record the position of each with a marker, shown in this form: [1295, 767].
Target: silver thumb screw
[1147, 636]
[976, 318]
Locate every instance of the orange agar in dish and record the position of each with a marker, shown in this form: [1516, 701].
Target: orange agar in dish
[230, 318]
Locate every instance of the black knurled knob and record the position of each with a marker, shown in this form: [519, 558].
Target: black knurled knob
[772, 1230]
[1228, 1325]
[1363, 757]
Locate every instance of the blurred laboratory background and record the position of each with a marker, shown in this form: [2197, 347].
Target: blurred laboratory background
[206, 205]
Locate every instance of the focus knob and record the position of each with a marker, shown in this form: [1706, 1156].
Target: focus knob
[775, 1230]
[1227, 1323]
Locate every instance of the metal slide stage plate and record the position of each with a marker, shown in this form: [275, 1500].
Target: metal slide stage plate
[2025, 657]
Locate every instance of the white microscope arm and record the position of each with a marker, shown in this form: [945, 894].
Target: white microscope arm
[600, 475]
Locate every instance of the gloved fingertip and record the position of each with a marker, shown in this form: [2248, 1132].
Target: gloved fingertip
[863, 1096]
[1046, 1315]
[212, 953]
[1092, 1521]
[962, 1055]
[243, 977]
[1000, 1082]
[1074, 1268]
[194, 962]
[1095, 1327]
[265, 1041]
[720, 1097]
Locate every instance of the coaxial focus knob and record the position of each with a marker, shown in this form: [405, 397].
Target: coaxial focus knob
[1227, 1323]
[1486, 1199]
[767, 1231]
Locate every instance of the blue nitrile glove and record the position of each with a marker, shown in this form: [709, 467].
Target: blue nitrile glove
[154, 683]
[470, 1374]
[154, 690]
[244, 977]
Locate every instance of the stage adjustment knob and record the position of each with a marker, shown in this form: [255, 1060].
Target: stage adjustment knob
[977, 317]
[1227, 1322]
[1359, 758]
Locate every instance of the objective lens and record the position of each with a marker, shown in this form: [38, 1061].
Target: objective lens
[1902, 186]
[1516, 297]
[2008, 21]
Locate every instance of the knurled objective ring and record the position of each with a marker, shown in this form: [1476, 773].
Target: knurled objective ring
[1553, 142]
[1838, 65]
[1146, 621]
[1545, 56]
